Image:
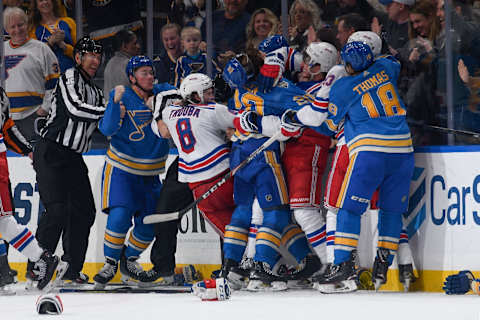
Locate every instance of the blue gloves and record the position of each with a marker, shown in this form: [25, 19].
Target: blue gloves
[459, 283]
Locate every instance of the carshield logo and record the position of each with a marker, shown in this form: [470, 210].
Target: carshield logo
[416, 212]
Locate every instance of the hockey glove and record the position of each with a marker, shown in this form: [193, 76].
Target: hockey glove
[290, 126]
[268, 77]
[246, 122]
[460, 283]
[212, 289]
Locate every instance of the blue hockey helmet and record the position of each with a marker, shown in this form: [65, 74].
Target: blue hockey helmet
[358, 55]
[136, 62]
[272, 43]
[234, 74]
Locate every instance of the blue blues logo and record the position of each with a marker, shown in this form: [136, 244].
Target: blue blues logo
[416, 213]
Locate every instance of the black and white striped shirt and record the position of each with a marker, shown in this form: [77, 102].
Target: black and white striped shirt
[77, 106]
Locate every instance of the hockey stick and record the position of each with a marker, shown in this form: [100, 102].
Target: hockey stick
[159, 217]
[443, 129]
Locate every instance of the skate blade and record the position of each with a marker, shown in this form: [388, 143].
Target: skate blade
[299, 284]
[378, 284]
[340, 287]
[406, 285]
[257, 286]
[60, 272]
[5, 291]
[167, 281]
[99, 286]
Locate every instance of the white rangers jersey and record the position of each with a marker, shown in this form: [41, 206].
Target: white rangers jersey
[198, 131]
[308, 115]
[31, 73]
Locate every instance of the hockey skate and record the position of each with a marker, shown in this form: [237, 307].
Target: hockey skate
[380, 268]
[74, 280]
[31, 277]
[105, 274]
[338, 278]
[299, 277]
[44, 269]
[153, 278]
[406, 276]
[6, 278]
[263, 279]
[130, 270]
[236, 275]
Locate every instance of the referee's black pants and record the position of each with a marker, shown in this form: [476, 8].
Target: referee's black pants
[66, 193]
[173, 196]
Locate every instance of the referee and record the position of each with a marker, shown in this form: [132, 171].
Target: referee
[62, 175]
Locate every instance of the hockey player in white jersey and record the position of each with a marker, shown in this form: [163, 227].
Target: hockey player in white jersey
[198, 125]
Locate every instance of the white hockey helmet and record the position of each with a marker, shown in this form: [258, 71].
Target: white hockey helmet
[370, 38]
[195, 83]
[49, 304]
[322, 53]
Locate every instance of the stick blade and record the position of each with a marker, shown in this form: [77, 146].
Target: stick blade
[159, 217]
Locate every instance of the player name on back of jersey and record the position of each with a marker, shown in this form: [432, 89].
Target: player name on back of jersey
[186, 111]
[375, 80]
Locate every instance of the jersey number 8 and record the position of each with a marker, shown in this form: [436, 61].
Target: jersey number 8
[185, 134]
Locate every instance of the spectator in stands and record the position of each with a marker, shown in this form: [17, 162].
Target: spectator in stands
[263, 23]
[105, 18]
[229, 29]
[193, 60]
[394, 28]
[348, 24]
[165, 63]
[416, 84]
[60, 33]
[32, 72]
[126, 46]
[303, 14]
[333, 9]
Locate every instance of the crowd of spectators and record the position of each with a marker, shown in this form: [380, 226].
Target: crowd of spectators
[411, 30]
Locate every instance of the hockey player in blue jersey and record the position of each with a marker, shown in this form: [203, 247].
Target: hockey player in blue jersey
[264, 173]
[381, 156]
[130, 181]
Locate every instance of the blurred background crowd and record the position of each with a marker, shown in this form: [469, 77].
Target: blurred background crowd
[439, 82]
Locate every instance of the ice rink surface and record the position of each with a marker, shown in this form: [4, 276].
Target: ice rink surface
[291, 305]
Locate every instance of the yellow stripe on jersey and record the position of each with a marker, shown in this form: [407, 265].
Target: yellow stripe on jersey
[135, 165]
[25, 94]
[279, 177]
[107, 179]
[346, 180]
[380, 142]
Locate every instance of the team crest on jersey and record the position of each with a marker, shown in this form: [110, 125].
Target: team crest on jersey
[196, 66]
[140, 119]
[282, 84]
[268, 197]
[13, 61]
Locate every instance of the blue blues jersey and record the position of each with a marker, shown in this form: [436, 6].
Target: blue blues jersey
[373, 111]
[192, 64]
[133, 146]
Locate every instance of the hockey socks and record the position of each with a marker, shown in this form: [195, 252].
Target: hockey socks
[20, 238]
[313, 225]
[331, 226]
[346, 235]
[389, 228]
